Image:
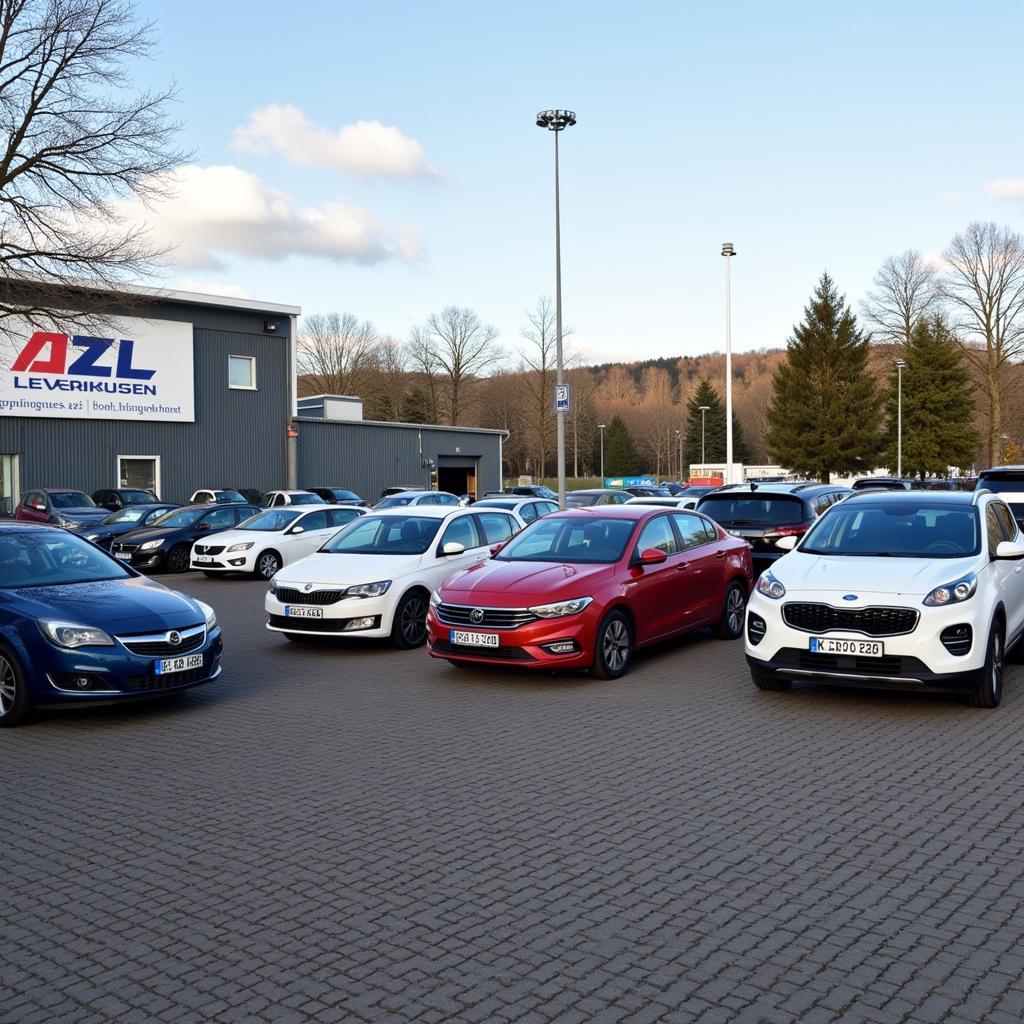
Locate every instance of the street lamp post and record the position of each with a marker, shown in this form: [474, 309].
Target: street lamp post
[556, 121]
[728, 252]
[900, 365]
[601, 428]
[679, 445]
[703, 414]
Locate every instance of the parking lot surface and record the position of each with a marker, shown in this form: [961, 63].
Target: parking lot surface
[356, 834]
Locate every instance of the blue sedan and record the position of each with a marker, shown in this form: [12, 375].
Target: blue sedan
[77, 626]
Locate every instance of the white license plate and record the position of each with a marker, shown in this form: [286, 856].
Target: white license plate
[182, 664]
[299, 612]
[473, 639]
[860, 648]
[125, 556]
[202, 558]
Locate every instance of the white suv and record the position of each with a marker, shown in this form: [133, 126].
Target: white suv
[908, 589]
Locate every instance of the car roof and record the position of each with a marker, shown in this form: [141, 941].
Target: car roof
[597, 490]
[932, 497]
[60, 490]
[279, 491]
[14, 525]
[508, 500]
[800, 489]
[422, 511]
[623, 511]
[1001, 469]
[673, 501]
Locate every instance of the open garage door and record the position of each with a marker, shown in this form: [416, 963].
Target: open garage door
[457, 474]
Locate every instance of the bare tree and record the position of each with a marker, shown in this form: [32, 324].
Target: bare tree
[906, 288]
[336, 353]
[984, 287]
[76, 139]
[425, 365]
[391, 372]
[463, 349]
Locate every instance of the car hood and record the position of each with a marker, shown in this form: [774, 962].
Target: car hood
[129, 606]
[347, 569]
[240, 536]
[505, 583]
[140, 536]
[85, 513]
[870, 575]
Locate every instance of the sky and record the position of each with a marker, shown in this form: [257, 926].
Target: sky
[382, 158]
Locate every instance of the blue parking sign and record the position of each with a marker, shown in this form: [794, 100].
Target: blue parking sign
[563, 397]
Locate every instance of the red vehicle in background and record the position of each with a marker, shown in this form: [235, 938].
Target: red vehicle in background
[587, 587]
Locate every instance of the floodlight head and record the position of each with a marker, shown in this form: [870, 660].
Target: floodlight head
[727, 249]
[704, 408]
[556, 120]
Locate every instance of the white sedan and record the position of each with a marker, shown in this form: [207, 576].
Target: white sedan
[677, 501]
[269, 540]
[375, 577]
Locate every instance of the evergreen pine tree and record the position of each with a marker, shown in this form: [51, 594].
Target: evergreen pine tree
[714, 429]
[620, 458]
[824, 415]
[415, 408]
[938, 411]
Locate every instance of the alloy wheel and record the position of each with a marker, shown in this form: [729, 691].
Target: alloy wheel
[997, 665]
[268, 565]
[734, 608]
[615, 645]
[8, 686]
[414, 621]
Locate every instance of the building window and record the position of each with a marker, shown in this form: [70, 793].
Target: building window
[242, 372]
[9, 496]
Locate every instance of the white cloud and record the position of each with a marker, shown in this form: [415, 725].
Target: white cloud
[231, 291]
[366, 148]
[1005, 188]
[222, 210]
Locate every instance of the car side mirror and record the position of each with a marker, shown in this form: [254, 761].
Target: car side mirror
[453, 547]
[203, 526]
[495, 548]
[297, 529]
[652, 556]
[1009, 549]
[786, 543]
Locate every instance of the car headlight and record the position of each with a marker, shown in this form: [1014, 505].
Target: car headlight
[150, 545]
[68, 524]
[71, 634]
[953, 593]
[369, 589]
[211, 615]
[92, 536]
[768, 585]
[560, 608]
[241, 547]
[435, 599]
[272, 585]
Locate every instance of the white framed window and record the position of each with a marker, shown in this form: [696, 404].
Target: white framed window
[141, 471]
[242, 372]
[9, 492]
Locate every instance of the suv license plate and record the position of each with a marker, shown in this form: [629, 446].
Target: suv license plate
[473, 639]
[299, 612]
[125, 556]
[859, 648]
[182, 664]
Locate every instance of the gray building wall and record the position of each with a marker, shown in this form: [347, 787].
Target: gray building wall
[238, 438]
[369, 456]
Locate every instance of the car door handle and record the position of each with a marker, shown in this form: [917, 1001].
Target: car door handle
[719, 554]
[682, 566]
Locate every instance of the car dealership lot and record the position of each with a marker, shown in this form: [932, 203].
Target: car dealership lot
[353, 833]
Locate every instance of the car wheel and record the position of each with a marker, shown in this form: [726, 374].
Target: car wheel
[15, 703]
[410, 626]
[268, 563]
[614, 647]
[730, 625]
[767, 681]
[990, 693]
[178, 558]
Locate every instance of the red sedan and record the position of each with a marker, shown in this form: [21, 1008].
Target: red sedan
[586, 587]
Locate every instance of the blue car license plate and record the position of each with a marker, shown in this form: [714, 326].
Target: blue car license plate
[166, 666]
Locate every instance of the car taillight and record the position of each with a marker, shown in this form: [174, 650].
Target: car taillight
[787, 531]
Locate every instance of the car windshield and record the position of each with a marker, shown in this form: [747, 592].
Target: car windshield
[52, 558]
[900, 529]
[581, 499]
[137, 497]
[1001, 483]
[126, 515]
[181, 517]
[385, 535]
[582, 540]
[228, 496]
[340, 494]
[275, 520]
[732, 509]
[397, 500]
[71, 499]
[307, 499]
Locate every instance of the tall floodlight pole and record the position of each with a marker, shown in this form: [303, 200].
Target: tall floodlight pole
[900, 366]
[601, 428]
[556, 121]
[728, 252]
[679, 445]
[703, 415]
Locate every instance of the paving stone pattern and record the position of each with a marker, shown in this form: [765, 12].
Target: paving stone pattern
[357, 834]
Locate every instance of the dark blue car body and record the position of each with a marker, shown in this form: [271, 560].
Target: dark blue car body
[148, 623]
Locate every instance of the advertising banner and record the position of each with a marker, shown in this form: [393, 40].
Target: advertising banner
[142, 370]
[629, 481]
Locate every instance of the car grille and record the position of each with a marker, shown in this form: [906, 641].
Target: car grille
[126, 548]
[157, 645]
[823, 618]
[885, 666]
[209, 549]
[445, 648]
[287, 595]
[492, 618]
[286, 622]
[171, 681]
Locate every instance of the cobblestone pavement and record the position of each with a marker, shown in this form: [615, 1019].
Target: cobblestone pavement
[366, 835]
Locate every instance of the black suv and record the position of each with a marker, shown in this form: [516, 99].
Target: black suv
[883, 483]
[117, 498]
[765, 513]
[1007, 481]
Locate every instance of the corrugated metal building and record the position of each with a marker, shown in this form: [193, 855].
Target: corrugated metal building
[190, 391]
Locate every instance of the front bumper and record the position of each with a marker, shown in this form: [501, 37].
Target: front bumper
[536, 645]
[142, 560]
[235, 561]
[913, 660]
[353, 616]
[113, 674]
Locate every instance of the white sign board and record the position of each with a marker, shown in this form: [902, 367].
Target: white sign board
[563, 397]
[141, 370]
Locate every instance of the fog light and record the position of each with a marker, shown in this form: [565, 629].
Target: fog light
[82, 682]
[756, 629]
[366, 622]
[561, 647]
[237, 561]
